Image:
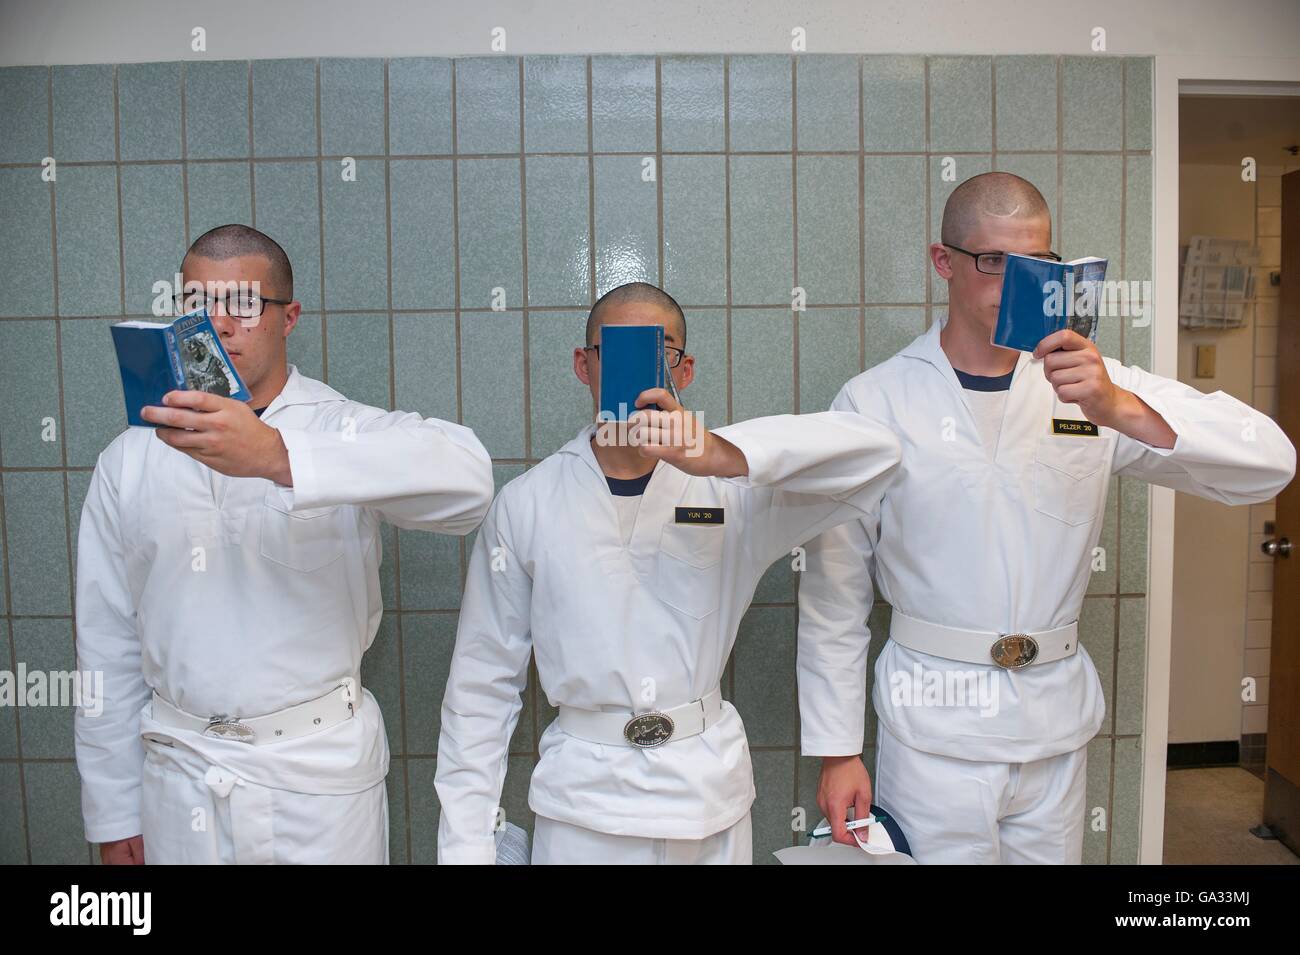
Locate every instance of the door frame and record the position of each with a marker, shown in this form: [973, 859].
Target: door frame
[1171, 75]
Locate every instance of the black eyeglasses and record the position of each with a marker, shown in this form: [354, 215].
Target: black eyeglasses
[239, 303]
[674, 355]
[995, 263]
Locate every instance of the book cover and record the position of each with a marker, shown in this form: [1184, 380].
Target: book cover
[184, 355]
[1040, 297]
[631, 360]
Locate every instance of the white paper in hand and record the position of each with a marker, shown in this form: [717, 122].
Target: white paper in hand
[875, 847]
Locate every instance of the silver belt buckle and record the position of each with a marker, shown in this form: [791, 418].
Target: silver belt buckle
[223, 727]
[1014, 651]
[648, 730]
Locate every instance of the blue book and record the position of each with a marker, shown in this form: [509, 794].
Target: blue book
[1040, 297]
[183, 355]
[632, 359]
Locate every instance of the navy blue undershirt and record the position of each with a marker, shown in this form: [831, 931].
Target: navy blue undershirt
[258, 411]
[628, 487]
[985, 382]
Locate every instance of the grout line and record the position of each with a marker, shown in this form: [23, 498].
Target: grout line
[794, 227]
[117, 151]
[926, 171]
[1060, 158]
[1120, 488]
[572, 154]
[457, 311]
[726, 179]
[185, 152]
[993, 112]
[320, 236]
[659, 162]
[591, 190]
[252, 191]
[445, 310]
[1123, 202]
[397, 533]
[523, 277]
[794, 354]
[862, 220]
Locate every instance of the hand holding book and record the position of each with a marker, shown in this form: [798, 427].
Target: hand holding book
[222, 433]
[1078, 374]
[661, 428]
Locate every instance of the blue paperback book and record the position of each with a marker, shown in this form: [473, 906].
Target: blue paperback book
[183, 355]
[632, 359]
[1040, 297]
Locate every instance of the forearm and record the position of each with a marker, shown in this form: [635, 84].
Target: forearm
[728, 460]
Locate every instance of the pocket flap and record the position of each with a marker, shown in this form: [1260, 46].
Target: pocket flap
[281, 499]
[1076, 457]
[699, 545]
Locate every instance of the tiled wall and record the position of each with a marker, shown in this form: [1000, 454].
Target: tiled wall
[729, 180]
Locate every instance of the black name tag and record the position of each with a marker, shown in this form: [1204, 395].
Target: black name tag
[1070, 426]
[699, 515]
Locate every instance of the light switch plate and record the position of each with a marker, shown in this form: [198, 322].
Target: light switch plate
[1205, 361]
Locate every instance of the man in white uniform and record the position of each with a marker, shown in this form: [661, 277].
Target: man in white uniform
[228, 585]
[982, 546]
[626, 569]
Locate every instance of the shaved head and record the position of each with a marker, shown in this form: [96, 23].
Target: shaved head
[235, 241]
[996, 195]
[637, 293]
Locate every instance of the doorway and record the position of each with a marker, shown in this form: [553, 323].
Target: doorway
[1233, 694]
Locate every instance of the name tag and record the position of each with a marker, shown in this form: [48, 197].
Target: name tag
[699, 515]
[1070, 426]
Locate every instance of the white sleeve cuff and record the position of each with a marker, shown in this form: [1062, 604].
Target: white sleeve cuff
[830, 746]
[113, 830]
[474, 854]
[757, 459]
[306, 482]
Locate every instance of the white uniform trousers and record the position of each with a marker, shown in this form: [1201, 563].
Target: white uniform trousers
[559, 843]
[960, 811]
[195, 813]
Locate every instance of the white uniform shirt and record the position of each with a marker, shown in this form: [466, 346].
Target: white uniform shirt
[237, 596]
[996, 543]
[632, 628]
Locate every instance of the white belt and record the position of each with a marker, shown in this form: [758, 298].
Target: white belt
[292, 722]
[643, 730]
[1011, 651]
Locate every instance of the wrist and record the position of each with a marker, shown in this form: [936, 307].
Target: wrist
[280, 471]
[728, 460]
[840, 760]
[1124, 413]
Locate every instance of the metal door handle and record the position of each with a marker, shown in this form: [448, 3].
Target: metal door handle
[1277, 548]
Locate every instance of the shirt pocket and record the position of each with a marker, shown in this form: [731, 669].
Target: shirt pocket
[1068, 475]
[690, 567]
[303, 540]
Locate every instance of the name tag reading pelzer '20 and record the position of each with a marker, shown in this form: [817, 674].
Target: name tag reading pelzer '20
[1074, 426]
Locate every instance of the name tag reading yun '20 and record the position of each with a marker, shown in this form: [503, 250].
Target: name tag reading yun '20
[698, 515]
